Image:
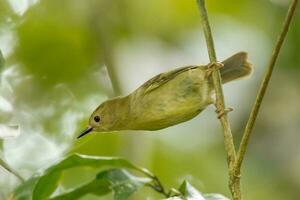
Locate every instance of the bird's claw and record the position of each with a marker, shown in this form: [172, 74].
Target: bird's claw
[222, 112]
[213, 66]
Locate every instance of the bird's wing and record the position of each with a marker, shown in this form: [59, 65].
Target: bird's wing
[163, 78]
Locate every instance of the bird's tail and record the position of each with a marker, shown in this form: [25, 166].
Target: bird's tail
[235, 67]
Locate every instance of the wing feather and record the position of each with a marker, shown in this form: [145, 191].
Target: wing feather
[161, 79]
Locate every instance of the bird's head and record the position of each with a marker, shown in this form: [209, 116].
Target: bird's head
[104, 118]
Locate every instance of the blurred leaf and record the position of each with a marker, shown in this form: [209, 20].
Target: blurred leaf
[122, 183]
[9, 131]
[188, 192]
[5, 11]
[214, 197]
[24, 191]
[56, 44]
[175, 198]
[1, 146]
[49, 179]
[1, 60]
[164, 19]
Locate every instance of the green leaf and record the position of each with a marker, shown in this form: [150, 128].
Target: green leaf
[24, 191]
[121, 182]
[188, 192]
[49, 179]
[98, 187]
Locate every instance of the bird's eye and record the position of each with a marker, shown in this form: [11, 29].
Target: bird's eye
[97, 119]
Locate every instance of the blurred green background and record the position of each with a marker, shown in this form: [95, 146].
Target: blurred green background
[63, 58]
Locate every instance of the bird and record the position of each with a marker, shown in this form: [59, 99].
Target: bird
[166, 99]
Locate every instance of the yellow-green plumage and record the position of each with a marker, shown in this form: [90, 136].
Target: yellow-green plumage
[167, 102]
[166, 99]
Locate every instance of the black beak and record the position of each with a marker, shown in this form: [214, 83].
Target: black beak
[85, 131]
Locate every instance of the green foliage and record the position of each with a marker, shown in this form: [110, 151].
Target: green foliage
[5, 11]
[51, 176]
[53, 39]
[24, 191]
[120, 182]
[44, 184]
[117, 180]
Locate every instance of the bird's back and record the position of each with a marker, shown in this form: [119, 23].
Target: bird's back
[170, 98]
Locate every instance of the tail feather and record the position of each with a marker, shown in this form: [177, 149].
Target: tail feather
[235, 67]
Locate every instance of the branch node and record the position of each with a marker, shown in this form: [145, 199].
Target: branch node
[213, 66]
[224, 111]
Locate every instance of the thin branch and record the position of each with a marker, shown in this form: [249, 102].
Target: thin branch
[109, 61]
[98, 23]
[263, 87]
[220, 103]
[159, 189]
[234, 181]
[9, 169]
[157, 184]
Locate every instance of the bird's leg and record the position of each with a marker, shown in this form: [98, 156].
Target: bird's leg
[213, 67]
[223, 112]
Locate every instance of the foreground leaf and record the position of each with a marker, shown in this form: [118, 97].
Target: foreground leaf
[120, 182]
[24, 191]
[47, 182]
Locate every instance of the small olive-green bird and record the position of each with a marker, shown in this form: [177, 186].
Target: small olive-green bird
[167, 99]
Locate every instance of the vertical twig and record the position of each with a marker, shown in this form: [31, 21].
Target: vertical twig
[98, 23]
[263, 87]
[12, 171]
[220, 103]
[234, 183]
[109, 61]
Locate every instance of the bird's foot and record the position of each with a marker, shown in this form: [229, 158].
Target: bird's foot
[213, 66]
[222, 112]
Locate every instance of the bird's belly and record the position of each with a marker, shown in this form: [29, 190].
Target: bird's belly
[172, 105]
[168, 113]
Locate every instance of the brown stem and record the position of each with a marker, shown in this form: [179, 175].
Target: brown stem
[12, 171]
[263, 88]
[158, 187]
[220, 102]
